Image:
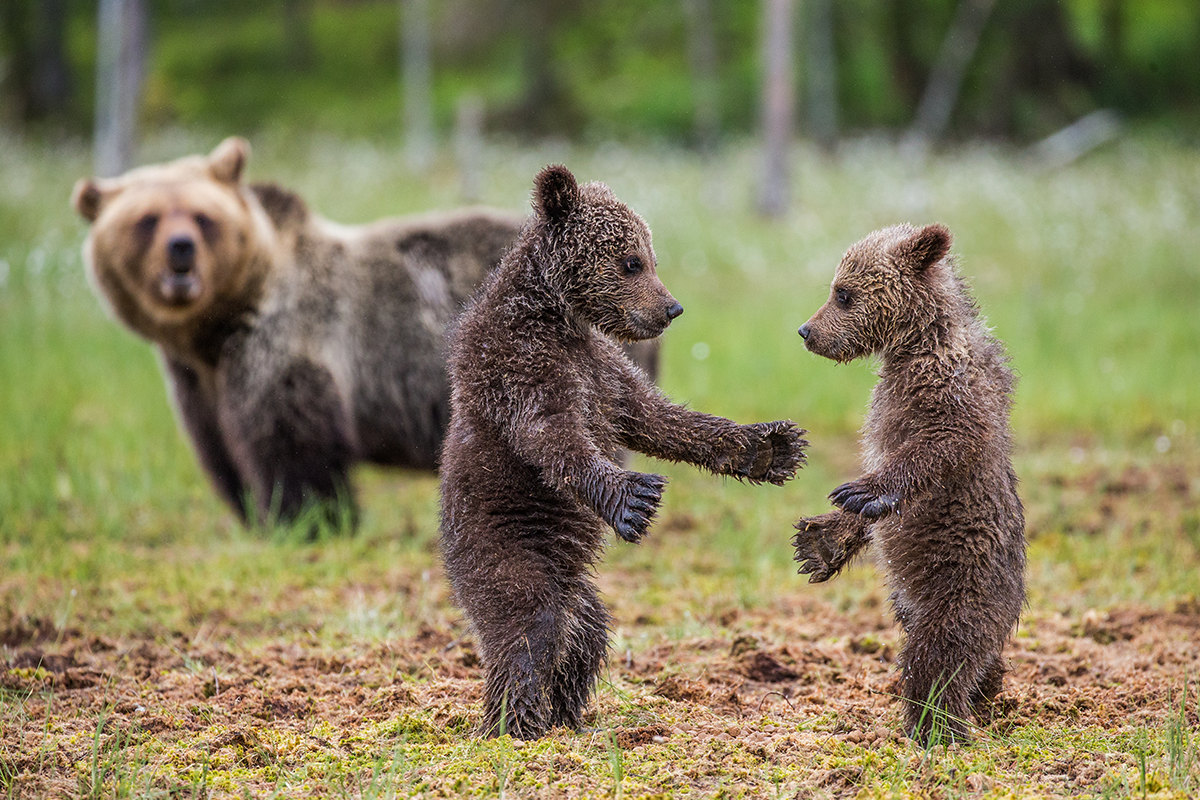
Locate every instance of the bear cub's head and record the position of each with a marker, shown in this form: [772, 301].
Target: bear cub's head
[598, 254]
[887, 290]
[170, 241]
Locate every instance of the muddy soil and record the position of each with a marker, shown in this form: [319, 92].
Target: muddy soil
[795, 697]
[755, 687]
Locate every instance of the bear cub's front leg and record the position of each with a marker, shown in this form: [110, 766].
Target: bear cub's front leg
[825, 544]
[776, 451]
[865, 497]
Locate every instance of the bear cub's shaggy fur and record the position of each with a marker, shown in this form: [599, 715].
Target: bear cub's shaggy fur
[293, 347]
[940, 495]
[542, 400]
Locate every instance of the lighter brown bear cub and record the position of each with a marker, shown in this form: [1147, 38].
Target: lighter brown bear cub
[940, 495]
[294, 348]
[542, 401]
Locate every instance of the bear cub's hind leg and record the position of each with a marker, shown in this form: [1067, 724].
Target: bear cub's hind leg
[542, 662]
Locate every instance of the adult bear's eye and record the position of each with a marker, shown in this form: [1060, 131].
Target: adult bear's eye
[145, 226]
[842, 297]
[632, 265]
[206, 224]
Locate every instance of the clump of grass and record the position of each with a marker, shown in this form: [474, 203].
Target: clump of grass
[1182, 744]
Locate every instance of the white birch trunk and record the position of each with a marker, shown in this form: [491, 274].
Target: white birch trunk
[778, 104]
[416, 76]
[120, 63]
[702, 58]
[941, 93]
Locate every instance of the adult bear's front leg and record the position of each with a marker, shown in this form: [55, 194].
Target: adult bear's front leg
[196, 405]
[292, 439]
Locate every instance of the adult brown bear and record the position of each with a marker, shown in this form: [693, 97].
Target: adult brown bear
[293, 347]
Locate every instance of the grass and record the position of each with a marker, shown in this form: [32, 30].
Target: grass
[114, 551]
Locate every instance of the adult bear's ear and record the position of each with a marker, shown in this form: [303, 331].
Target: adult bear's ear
[926, 247]
[555, 193]
[228, 159]
[87, 197]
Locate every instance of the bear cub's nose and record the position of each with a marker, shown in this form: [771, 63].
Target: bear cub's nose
[181, 253]
[674, 311]
[804, 331]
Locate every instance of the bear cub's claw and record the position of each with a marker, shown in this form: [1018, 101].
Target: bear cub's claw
[857, 497]
[777, 451]
[820, 554]
[637, 501]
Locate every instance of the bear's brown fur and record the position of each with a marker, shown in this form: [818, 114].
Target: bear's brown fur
[940, 497]
[542, 400]
[293, 347]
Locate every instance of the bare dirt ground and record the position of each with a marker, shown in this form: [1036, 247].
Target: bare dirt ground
[771, 672]
[793, 698]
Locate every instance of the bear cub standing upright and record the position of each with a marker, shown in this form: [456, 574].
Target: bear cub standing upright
[940, 495]
[542, 400]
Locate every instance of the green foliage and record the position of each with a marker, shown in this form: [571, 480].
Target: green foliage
[618, 68]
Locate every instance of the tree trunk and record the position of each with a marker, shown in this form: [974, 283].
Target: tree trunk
[777, 105]
[34, 69]
[941, 93]
[416, 73]
[298, 45]
[120, 63]
[822, 74]
[468, 145]
[702, 58]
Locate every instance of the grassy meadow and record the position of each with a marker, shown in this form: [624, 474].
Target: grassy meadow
[117, 560]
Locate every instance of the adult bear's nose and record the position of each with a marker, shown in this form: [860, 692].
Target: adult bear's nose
[181, 253]
[674, 311]
[804, 331]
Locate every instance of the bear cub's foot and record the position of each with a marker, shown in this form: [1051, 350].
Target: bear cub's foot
[825, 544]
[862, 497]
[632, 505]
[776, 451]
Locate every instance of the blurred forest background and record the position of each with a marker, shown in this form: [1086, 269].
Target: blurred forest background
[685, 71]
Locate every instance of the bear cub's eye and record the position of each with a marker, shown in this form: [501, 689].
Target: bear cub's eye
[632, 265]
[842, 297]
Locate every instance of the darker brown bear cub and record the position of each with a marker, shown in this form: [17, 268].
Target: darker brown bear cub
[940, 496]
[541, 402]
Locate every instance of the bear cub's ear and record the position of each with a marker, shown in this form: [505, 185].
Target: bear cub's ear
[86, 198]
[926, 247]
[228, 159]
[555, 192]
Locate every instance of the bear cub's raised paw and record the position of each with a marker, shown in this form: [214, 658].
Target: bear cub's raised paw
[819, 555]
[863, 498]
[825, 544]
[635, 504]
[776, 451]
